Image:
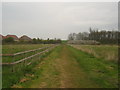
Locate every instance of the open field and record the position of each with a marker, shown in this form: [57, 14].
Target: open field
[10, 49]
[68, 67]
[12, 73]
[60, 45]
[107, 52]
[13, 49]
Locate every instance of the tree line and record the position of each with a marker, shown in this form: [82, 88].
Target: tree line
[48, 41]
[11, 40]
[102, 36]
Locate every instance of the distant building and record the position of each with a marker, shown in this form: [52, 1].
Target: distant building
[25, 38]
[13, 36]
[1, 37]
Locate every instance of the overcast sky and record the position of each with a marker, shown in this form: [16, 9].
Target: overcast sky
[57, 20]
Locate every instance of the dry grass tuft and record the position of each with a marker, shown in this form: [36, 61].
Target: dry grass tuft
[16, 86]
[108, 52]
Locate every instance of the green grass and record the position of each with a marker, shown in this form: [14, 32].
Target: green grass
[107, 52]
[57, 70]
[9, 49]
[89, 71]
[7, 59]
[103, 72]
[81, 68]
[41, 74]
[12, 74]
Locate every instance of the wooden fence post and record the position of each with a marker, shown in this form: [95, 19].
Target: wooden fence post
[13, 57]
[25, 60]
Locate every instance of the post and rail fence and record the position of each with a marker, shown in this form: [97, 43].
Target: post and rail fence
[20, 64]
[28, 59]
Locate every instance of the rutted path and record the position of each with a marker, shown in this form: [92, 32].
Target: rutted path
[60, 70]
[71, 74]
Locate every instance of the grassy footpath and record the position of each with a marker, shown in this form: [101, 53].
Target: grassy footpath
[40, 73]
[101, 71]
[67, 67]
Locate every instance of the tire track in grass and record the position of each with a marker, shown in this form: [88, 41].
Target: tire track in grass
[71, 75]
[103, 72]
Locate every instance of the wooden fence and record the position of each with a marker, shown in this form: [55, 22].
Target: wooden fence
[19, 53]
[24, 62]
[48, 48]
[13, 71]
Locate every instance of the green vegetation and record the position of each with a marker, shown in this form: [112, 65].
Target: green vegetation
[106, 52]
[103, 72]
[102, 36]
[8, 40]
[64, 41]
[44, 72]
[69, 67]
[11, 74]
[48, 41]
[10, 49]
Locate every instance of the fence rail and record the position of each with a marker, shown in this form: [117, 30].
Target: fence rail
[27, 58]
[23, 52]
[22, 65]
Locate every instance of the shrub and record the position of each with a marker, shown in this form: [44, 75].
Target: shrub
[8, 40]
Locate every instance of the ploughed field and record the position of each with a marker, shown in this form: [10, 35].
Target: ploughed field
[65, 66]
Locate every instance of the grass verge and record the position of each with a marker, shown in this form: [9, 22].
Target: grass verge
[42, 75]
[103, 72]
[12, 75]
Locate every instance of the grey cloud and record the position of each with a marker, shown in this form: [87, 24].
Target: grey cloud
[52, 19]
